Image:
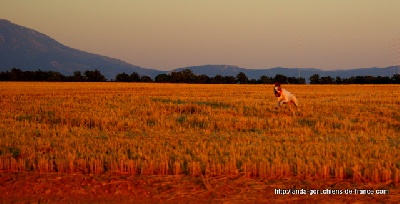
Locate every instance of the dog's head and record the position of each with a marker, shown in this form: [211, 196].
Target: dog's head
[277, 89]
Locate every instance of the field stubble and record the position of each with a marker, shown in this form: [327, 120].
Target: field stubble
[342, 132]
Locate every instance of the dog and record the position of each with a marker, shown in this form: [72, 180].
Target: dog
[285, 96]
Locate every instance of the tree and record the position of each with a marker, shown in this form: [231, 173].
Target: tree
[146, 79]
[94, 76]
[163, 78]
[281, 78]
[241, 78]
[369, 80]
[78, 76]
[314, 79]
[218, 79]
[185, 76]
[395, 79]
[55, 76]
[16, 75]
[202, 79]
[265, 80]
[135, 77]
[252, 81]
[229, 80]
[382, 80]
[296, 80]
[176, 77]
[338, 80]
[350, 80]
[4, 76]
[292, 80]
[188, 76]
[124, 77]
[302, 80]
[326, 80]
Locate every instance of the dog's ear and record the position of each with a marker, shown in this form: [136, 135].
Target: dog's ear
[277, 88]
[277, 91]
[277, 84]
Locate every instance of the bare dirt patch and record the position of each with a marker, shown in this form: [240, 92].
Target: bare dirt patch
[27, 187]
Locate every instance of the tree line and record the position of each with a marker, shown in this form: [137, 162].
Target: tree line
[316, 79]
[39, 75]
[187, 76]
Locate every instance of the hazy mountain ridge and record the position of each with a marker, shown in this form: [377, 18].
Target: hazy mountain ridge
[229, 70]
[30, 50]
[27, 49]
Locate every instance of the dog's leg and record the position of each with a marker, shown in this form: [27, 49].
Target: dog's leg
[294, 101]
[290, 106]
[278, 104]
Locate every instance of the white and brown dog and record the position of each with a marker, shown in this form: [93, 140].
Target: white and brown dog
[285, 96]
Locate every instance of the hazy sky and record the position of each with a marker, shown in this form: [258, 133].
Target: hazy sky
[167, 34]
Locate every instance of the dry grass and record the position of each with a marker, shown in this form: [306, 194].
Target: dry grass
[343, 132]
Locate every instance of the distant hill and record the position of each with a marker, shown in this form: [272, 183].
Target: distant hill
[29, 50]
[229, 70]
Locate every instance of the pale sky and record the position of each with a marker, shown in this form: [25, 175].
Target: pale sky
[255, 34]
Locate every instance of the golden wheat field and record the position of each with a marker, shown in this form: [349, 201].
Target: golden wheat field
[342, 131]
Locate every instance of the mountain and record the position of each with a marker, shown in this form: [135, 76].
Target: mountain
[230, 70]
[29, 50]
